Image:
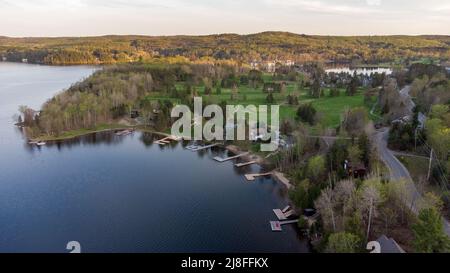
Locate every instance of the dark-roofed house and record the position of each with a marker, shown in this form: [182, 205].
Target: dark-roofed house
[389, 245]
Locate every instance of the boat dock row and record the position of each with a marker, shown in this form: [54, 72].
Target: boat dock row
[220, 159]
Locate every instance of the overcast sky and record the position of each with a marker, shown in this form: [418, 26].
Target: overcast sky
[20, 18]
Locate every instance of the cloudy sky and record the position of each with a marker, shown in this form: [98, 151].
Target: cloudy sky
[20, 18]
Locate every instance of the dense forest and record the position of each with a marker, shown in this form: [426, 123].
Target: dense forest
[242, 49]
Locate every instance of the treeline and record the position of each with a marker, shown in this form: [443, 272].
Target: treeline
[266, 46]
[429, 126]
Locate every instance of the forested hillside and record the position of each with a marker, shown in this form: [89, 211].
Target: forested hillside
[266, 46]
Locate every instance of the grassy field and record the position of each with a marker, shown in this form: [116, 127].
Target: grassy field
[330, 108]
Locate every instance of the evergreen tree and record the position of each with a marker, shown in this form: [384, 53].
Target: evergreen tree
[429, 233]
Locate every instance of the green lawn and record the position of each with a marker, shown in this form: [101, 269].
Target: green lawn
[330, 108]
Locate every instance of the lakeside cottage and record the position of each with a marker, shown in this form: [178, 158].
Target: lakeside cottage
[255, 65]
[270, 67]
[274, 87]
[289, 63]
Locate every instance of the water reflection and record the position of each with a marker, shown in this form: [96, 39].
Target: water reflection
[125, 194]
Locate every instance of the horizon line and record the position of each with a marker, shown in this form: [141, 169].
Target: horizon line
[222, 34]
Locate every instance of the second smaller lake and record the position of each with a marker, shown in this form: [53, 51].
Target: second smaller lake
[360, 71]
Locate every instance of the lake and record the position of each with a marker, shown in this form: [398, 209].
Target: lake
[123, 194]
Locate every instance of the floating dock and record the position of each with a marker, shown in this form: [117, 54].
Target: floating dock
[220, 159]
[191, 147]
[239, 165]
[195, 148]
[124, 132]
[279, 214]
[167, 140]
[284, 214]
[277, 225]
[252, 177]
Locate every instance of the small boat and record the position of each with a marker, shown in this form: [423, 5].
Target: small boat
[41, 143]
[32, 142]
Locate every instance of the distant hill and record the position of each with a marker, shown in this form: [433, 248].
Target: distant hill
[265, 46]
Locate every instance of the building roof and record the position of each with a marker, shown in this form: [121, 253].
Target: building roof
[389, 245]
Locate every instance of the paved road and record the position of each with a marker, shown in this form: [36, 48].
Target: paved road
[398, 171]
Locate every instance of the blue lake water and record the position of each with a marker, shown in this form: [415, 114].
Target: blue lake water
[123, 194]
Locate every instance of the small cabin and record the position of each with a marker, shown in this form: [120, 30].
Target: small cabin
[289, 63]
[273, 87]
[254, 65]
[357, 170]
[270, 67]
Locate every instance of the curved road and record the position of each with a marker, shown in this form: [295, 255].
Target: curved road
[398, 171]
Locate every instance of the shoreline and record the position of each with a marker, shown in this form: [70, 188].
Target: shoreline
[276, 175]
[75, 134]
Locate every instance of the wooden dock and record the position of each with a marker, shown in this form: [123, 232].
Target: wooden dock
[277, 225]
[191, 147]
[220, 159]
[279, 214]
[286, 209]
[252, 177]
[196, 148]
[239, 165]
[289, 222]
[281, 178]
[167, 140]
[284, 214]
[124, 132]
